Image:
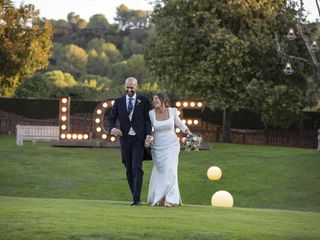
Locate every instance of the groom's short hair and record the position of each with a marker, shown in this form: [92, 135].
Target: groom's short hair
[131, 78]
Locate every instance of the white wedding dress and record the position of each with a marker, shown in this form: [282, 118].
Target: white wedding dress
[165, 150]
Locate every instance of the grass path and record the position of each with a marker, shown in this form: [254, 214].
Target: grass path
[36, 218]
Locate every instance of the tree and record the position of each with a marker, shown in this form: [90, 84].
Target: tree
[98, 24]
[131, 19]
[25, 44]
[45, 85]
[73, 59]
[302, 85]
[61, 27]
[76, 22]
[97, 63]
[130, 47]
[217, 50]
[100, 81]
[55, 84]
[112, 52]
[134, 66]
[309, 33]
[95, 44]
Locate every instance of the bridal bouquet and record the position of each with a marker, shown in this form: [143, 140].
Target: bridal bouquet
[192, 142]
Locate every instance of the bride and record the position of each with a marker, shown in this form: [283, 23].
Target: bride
[163, 188]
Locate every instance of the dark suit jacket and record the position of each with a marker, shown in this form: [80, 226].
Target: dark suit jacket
[140, 121]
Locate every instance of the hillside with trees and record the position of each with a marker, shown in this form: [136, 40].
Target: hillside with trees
[229, 55]
[86, 60]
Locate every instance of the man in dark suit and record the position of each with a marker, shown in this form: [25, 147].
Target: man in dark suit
[132, 110]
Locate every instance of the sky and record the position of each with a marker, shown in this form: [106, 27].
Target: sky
[59, 9]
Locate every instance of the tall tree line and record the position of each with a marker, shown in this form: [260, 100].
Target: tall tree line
[224, 52]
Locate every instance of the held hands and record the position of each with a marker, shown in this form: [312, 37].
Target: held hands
[116, 132]
[148, 141]
[187, 131]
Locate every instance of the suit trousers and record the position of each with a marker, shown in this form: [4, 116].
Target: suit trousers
[132, 150]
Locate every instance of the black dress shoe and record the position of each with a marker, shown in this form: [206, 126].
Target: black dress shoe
[135, 204]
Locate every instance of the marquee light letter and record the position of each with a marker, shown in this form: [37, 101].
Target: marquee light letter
[190, 122]
[98, 129]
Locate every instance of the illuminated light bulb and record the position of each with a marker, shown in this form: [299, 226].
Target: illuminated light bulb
[192, 104]
[195, 122]
[69, 136]
[185, 104]
[63, 136]
[98, 129]
[178, 112]
[105, 105]
[184, 121]
[63, 109]
[63, 127]
[183, 139]
[112, 102]
[199, 104]
[99, 111]
[177, 130]
[85, 136]
[80, 136]
[314, 46]
[74, 136]
[291, 35]
[104, 136]
[189, 122]
[64, 100]
[288, 69]
[2, 22]
[64, 118]
[178, 104]
[97, 120]
[113, 139]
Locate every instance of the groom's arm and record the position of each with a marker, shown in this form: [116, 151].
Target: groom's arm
[112, 118]
[147, 117]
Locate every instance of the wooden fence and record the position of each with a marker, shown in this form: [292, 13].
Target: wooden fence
[82, 122]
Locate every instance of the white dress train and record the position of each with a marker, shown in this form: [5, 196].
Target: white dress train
[165, 151]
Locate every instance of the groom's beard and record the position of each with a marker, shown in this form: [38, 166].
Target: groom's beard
[130, 93]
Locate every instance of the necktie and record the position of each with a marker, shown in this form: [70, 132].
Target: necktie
[130, 105]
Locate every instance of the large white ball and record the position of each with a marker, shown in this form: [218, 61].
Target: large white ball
[214, 173]
[222, 199]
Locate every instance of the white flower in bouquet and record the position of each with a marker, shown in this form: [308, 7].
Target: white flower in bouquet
[192, 142]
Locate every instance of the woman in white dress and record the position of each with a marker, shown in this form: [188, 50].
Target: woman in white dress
[164, 188]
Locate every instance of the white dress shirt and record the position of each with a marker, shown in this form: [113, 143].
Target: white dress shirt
[134, 97]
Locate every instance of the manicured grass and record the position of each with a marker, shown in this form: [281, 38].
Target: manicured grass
[256, 176]
[38, 219]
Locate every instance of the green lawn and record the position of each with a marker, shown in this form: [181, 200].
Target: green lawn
[256, 176]
[82, 194]
[38, 219]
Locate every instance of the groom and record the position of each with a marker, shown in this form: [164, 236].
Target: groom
[132, 111]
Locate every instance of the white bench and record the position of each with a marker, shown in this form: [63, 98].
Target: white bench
[36, 133]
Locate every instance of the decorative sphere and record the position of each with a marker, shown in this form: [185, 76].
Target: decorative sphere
[214, 173]
[222, 199]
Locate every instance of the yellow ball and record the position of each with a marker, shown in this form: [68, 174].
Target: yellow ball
[222, 199]
[214, 173]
